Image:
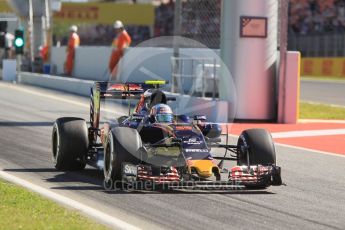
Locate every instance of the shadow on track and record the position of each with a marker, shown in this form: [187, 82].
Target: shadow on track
[32, 170]
[25, 123]
[92, 180]
[28, 123]
[224, 192]
[87, 179]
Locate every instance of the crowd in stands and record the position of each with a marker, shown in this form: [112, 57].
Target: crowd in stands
[201, 17]
[200, 20]
[164, 19]
[316, 16]
[305, 17]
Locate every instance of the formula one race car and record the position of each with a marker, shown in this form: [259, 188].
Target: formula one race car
[154, 146]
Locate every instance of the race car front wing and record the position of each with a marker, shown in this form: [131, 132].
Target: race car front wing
[238, 177]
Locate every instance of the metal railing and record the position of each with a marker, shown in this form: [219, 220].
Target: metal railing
[318, 45]
[198, 20]
[195, 76]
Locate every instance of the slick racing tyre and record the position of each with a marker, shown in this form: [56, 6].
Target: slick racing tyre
[260, 147]
[69, 143]
[122, 147]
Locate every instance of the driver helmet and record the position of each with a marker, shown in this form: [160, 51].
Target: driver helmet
[162, 113]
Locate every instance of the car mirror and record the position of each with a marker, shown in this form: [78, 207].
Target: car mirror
[152, 119]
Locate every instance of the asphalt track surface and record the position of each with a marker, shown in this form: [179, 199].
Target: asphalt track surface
[322, 91]
[313, 198]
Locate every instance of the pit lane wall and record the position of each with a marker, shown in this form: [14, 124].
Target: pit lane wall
[323, 67]
[215, 110]
[91, 62]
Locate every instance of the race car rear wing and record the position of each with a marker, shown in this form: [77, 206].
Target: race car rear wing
[129, 87]
[128, 90]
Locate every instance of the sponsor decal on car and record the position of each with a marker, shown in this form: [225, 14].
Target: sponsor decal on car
[193, 141]
[129, 169]
[125, 87]
[196, 150]
[137, 117]
[183, 128]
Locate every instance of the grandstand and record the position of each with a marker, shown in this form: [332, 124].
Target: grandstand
[317, 27]
[200, 21]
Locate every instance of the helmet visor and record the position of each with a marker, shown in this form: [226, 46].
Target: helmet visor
[164, 118]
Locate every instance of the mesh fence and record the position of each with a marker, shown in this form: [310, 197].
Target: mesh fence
[200, 21]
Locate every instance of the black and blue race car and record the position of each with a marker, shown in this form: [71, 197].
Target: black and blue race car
[140, 150]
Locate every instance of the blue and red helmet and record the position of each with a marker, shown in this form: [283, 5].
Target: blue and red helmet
[162, 113]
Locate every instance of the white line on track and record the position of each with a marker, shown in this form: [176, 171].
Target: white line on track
[310, 150]
[301, 148]
[324, 81]
[308, 133]
[101, 216]
[306, 121]
[323, 103]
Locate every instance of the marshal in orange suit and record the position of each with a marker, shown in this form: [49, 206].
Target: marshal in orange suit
[73, 43]
[120, 43]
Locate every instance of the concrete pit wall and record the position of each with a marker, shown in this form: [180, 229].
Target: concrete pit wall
[216, 111]
[91, 63]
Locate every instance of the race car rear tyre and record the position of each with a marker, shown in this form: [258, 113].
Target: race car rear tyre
[260, 147]
[123, 146]
[70, 143]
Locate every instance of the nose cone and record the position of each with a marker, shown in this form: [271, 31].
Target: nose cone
[202, 167]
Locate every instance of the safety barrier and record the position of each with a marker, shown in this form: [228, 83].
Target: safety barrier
[70, 85]
[215, 110]
[91, 63]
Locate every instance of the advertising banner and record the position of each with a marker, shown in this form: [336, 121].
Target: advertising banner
[105, 13]
[323, 67]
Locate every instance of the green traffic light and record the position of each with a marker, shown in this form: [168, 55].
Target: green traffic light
[19, 42]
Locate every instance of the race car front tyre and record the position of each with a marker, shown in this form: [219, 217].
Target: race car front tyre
[69, 143]
[260, 147]
[257, 145]
[123, 146]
